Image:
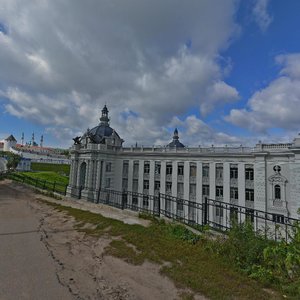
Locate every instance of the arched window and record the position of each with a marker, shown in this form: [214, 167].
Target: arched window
[277, 191]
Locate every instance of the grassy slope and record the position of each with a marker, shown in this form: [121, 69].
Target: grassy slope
[58, 168]
[49, 176]
[190, 264]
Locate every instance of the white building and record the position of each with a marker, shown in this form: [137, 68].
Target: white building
[265, 178]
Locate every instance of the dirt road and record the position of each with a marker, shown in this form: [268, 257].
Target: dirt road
[43, 257]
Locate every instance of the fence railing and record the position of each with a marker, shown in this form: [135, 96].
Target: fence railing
[51, 186]
[215, 214]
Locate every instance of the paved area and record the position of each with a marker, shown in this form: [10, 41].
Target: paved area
[27, 271]
[42, 256]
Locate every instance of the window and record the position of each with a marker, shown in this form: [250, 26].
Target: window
[205, 171]
[135, 185]
[250, 215]
[219, 211]
[146, 201]
[233, 172]
[180, 188]
[180, 169]
[124, 183]
[157, 185]
[107, 183]
[169, 169]
[193, 170]
[249, 195]
[108, 167]
[169, 187]
[157, 168]
[249, 174]
[146, 167]
[125, 168]
[233, 215]
[193, 189]
[234, 193]
[277, 192]
[205, 190]
[278, 218]
[135, 168]
[219, 172]
[146, 184]
[179, 204]
[219, 191]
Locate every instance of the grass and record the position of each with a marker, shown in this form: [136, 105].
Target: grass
[184, 257]
[47, 175]
[57, 168]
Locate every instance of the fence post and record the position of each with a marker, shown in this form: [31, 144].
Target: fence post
[36, 182]
[66, 189]
[158, 204]
[44, 187]
[205, 210]
[54, 183]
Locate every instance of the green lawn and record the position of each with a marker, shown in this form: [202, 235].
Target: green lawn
[183, 256]
[57, 168]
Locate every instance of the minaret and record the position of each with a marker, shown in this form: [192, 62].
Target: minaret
[42, 141]
[22, 139]
[32, 139]
[104, 120]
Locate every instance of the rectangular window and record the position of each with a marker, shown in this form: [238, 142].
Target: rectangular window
[107, 183]
[249, 195]
[234, 173]
[278, 218]
[146, 167]
[136, 168]
[180, 188]
[108, 167]
[146, 201]
[169, 169]
[234, 193]
[157, 168]
[205, 190]
[219, 191]
[250, 215]
[146, 184]
[180, 169]
[249, 174]
[157, 185]
[125, 184]
[193, 170]
[168, 187]
[205, 171]
[125, 168]
[219, 172]
[219, 211]
[193, 189]
[135, 185]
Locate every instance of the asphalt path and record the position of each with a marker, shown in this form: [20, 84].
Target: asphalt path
[27, 270]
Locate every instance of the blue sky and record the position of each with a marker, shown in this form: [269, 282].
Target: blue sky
[222, 71]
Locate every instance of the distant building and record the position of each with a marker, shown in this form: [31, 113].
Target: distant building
[24, 164]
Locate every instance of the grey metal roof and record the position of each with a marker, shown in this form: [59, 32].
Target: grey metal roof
[99, 133]
[11, 138]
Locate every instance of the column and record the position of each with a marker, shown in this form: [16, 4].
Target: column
[199, 191]
[174, 186]
[226, 193]
[241, 188]
[212, 189]
[141, 182]
[98, 174]
[71, 175]
[162, 183]
[186, 187]
[151, 183]
[91, 175]
[130, 180]
[78, 173]
[86, 182]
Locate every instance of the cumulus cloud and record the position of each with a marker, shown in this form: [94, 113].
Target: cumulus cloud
[260, 14]
[62, 60]
[276, 105]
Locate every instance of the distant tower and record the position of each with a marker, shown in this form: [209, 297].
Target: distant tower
[104, 120]
[42, 141]
[32, 139]
[22, 139]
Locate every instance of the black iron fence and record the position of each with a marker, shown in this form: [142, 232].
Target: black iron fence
[211, 213]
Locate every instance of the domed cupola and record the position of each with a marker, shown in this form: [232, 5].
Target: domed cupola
[103, 133]
[175, 143]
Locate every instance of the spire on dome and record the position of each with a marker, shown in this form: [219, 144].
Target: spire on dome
[175, 143]
[104, 120]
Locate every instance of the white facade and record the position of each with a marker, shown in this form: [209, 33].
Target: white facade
[265, 178]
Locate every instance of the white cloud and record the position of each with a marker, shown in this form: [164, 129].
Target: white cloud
[62, 60]
[261, 15]
[277, 105]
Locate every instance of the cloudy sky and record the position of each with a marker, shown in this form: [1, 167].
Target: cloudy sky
[221, 71]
